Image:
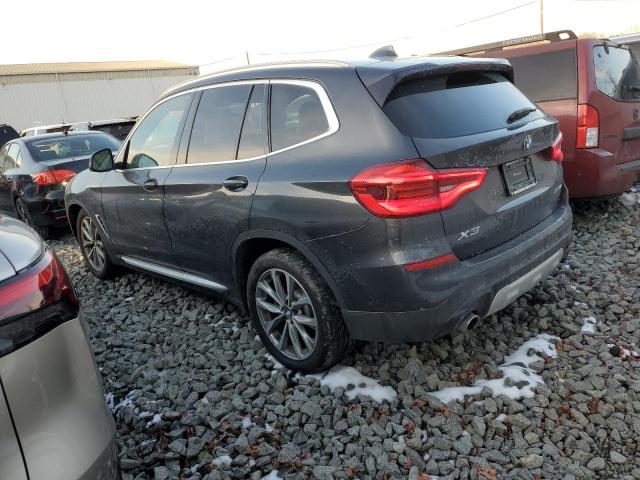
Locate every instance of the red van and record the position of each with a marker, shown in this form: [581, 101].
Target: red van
[593, 88]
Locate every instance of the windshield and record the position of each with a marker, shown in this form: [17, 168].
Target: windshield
[71, 146]
[617, 73]
[456, 105]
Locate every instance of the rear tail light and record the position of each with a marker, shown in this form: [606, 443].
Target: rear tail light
[34, 303]
[554, 152]
[410, 188]
[53, 177]
[588, 126]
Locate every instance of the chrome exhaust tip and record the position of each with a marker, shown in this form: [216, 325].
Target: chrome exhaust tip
[470, 321]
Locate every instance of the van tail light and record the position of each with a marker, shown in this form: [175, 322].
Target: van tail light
[554, 152]
[588, 126]
[34, 303]
[411, 187]
[53, 177]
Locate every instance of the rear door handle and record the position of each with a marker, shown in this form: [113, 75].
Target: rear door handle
[236, 184]
[150, 184]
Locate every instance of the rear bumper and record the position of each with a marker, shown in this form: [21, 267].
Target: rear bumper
[481, 285]
[47, 210]
[594, 172]
[53, 390]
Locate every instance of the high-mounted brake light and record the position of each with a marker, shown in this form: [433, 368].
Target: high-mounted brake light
[411, 187]
[588, 126]
[554, 152]
[53, 177]
[34, 303]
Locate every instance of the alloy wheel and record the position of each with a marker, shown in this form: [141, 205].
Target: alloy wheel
[92, 243]
[286, 314]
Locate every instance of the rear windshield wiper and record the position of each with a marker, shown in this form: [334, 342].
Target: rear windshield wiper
[520, 113]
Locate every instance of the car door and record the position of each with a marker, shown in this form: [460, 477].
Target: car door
[133, 193]
[208, 197]
[9, 155]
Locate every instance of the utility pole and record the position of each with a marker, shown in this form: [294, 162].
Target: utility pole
[541, 16]
[247, 55]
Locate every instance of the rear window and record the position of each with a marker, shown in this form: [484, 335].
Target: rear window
[547, 76]
[71, 146]
[455, 105]
[616, 73]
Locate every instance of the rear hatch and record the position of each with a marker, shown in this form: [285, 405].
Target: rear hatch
[470, 117]
[75, 164]
[617, 79]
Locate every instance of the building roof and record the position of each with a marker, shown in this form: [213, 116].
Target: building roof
[86, 67]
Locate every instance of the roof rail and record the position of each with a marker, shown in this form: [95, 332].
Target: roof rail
[557, 36]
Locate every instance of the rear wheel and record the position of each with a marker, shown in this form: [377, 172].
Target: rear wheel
[94, 252]
[23, 213]
[295, 313]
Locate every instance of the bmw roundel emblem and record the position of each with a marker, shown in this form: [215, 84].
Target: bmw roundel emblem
[526, 145]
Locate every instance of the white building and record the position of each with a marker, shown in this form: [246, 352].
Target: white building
[49, 93]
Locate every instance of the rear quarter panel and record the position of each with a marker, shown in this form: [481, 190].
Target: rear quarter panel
[304, 191]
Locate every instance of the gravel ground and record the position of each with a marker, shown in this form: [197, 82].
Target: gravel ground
[195, 395]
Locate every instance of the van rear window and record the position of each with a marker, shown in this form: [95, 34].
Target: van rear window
[617, 73]
[547, 76]
[460, 104]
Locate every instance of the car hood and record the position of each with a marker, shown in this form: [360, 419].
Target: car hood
[20, 247]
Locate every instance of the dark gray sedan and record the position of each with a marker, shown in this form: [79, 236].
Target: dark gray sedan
[35, 170]
[54, 423]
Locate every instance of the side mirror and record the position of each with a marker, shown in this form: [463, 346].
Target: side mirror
[101, 161]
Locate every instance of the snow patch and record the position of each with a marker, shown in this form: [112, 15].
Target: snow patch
[355, 384]
[223, 461]
[157, 418]
[515, 369]
[589, 325]
[246, 422]
[272, 475]
[268, 428]
[629, 198]
[127, 401]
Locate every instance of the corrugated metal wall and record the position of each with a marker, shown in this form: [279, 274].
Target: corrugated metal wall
[29, 100]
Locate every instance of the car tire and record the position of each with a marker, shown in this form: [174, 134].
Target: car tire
[302, 299]
[94, 251]
[23, 214]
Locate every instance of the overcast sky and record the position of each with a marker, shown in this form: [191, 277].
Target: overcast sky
[206, 32]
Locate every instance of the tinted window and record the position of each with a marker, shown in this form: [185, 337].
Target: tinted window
[70, 146]
[7, 133]
[455, 105]
[253, 134]
[296, 115]
[547, 76]
[10, 160]
[155, 141]
[217, 125]
[617, 73]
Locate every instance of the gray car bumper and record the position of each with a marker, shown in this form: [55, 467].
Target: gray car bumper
[56, 400]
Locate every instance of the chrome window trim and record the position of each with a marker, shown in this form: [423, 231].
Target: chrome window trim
[173, 273]
[316, 86]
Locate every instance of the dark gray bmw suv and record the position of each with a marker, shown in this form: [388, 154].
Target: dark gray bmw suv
[388, 200]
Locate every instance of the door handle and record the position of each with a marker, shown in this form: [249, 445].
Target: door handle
[150, 184]
[236, 184]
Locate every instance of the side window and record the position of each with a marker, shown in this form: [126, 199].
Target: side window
[155, 141]
[12, 155]
[617, 72]
[217, 125]
[252, 139]
[3, 156]
[296, 115]
[530, 77]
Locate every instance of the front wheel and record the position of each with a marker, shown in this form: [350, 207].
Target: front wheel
[295, 313]
[94, 252]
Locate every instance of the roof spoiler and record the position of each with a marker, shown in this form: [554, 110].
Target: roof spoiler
[384, 52]
[557, 36]
[381, 83]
